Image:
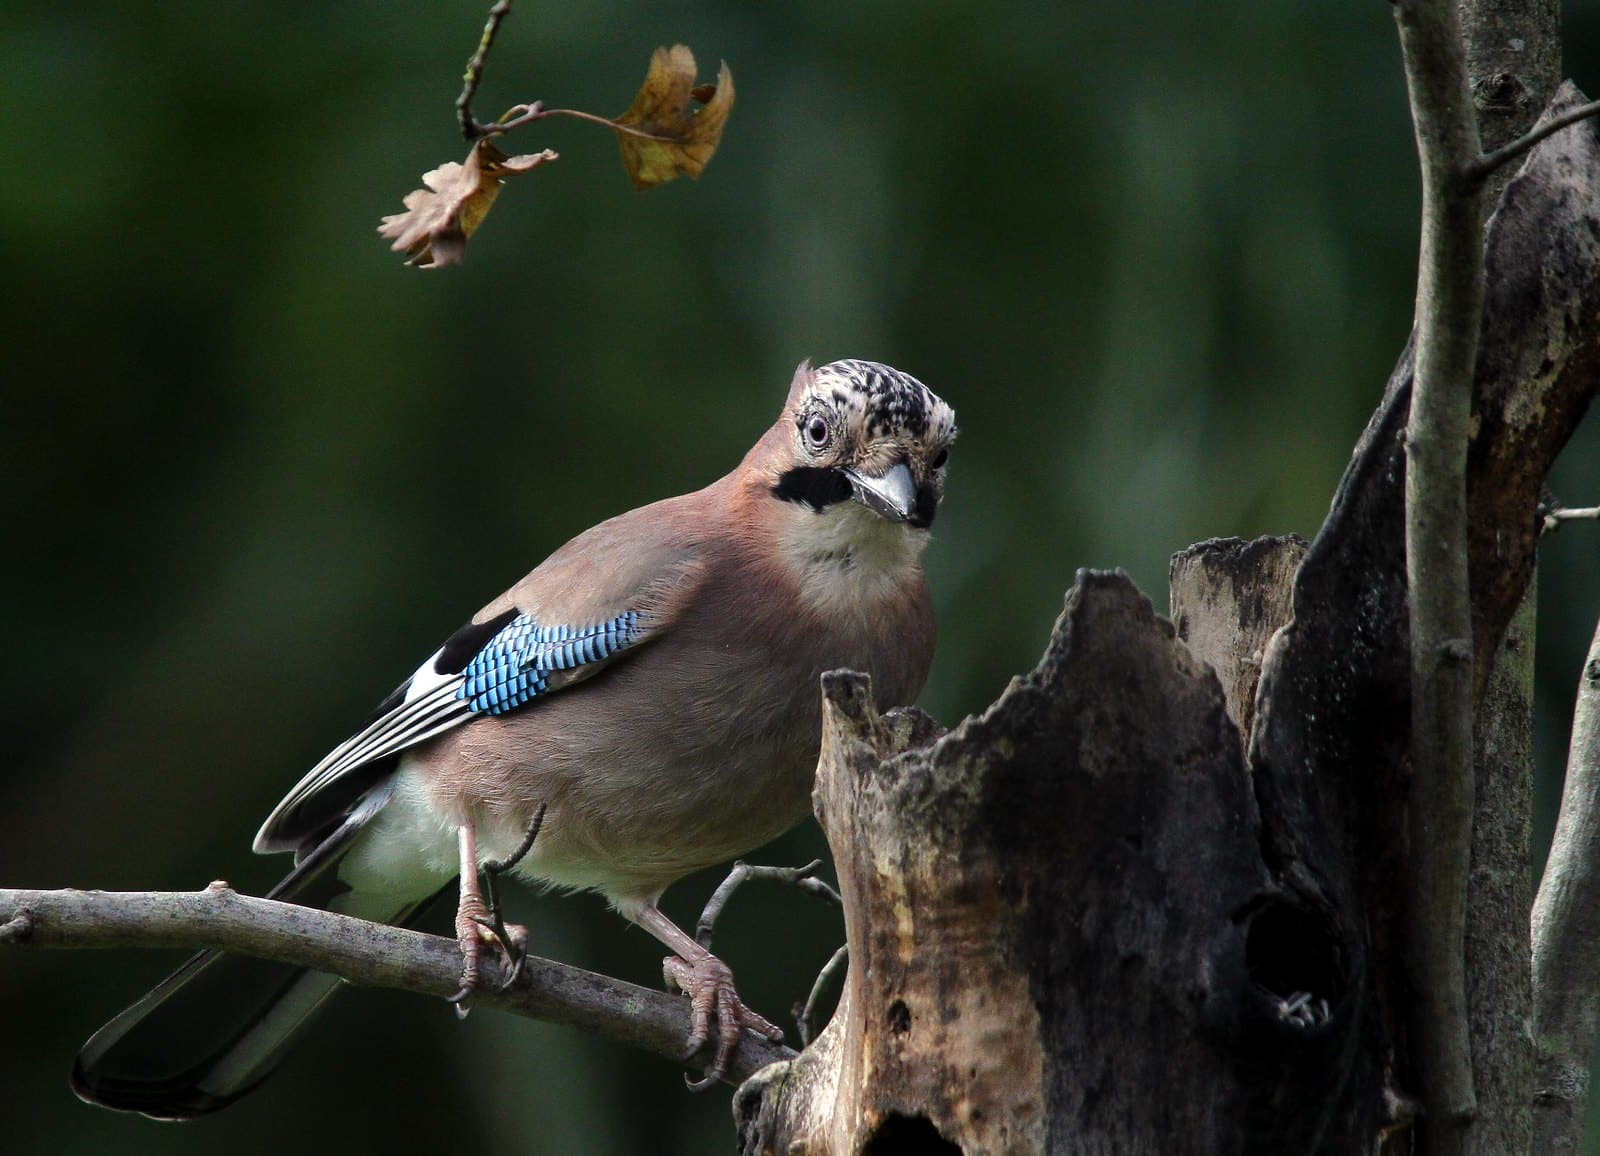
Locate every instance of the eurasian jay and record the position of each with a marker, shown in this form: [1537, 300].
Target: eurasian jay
[646, 703]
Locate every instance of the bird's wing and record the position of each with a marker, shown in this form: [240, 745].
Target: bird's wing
[587, 605]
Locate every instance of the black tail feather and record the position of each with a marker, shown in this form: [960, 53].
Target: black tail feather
[219, 1025]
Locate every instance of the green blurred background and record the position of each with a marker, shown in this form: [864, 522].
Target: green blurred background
[1159, 257]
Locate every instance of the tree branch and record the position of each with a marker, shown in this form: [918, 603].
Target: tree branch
[371, 954]
[1566, 924]
[1490, 161]
[802, 878]
[470, 128]
[1449, 312]
[1553, 519]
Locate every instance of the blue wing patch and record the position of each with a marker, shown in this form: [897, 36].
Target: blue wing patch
[518, 663]
[520, 660]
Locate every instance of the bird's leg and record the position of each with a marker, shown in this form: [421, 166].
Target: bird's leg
[708, 982]
[470, 911]
[513, 937]
[474, 927]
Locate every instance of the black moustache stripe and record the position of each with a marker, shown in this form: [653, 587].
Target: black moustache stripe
[813, 487]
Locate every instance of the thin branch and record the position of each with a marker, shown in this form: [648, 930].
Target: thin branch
[805, 1018]
[470, 128]
[742, 873]
[1490, 161]
[365, 953]
[607, 122]
[1566, 927]
[1449, 311]
[1554, 518]
[520, 114]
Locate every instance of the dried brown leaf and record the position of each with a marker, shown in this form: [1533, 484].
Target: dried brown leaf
[438, 219]
[664, 108]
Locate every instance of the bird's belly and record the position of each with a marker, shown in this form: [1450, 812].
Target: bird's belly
[637, 839]
[628, 809]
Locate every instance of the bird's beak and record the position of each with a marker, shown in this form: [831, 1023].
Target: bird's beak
[894, 495]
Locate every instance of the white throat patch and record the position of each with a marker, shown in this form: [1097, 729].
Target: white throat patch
[848, 560]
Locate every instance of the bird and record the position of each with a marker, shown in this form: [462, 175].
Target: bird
[644, 704]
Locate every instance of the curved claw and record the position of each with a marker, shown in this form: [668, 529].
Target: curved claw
[510, 938]
[474, 930]
[517, 953]
[709, 985]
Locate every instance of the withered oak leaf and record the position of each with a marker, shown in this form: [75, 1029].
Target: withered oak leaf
[433, 230]
[665, 108]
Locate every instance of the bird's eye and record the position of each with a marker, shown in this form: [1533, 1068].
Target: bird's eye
[940, 458]
[817, 431]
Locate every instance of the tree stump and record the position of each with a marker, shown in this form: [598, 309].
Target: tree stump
[1056, 913]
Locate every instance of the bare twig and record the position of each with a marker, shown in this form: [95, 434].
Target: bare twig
[364, 953]
[470, 128]
[742, 873]
[1449, 308]
[805, 1018]
[1566, 927]
[1554, 518]
[1494, 159]
[603, 120]
[521, 114]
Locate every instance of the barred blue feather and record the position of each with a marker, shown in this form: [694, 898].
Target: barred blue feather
[517, 664]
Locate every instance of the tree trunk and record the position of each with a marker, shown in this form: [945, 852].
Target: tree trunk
[1079, 922]
[1514, 61]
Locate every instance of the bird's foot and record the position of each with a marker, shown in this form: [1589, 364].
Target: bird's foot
[477, 928]
[709, 986]
[512, 938]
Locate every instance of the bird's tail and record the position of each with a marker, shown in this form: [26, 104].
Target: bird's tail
[218, 1026]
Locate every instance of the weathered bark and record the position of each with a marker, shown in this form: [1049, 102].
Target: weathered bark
[1228, 597]
[1566, 932]
[1330, 745]
[1499, 894]
[1146, 1011]
[1331, 738]
[1062, 936]
[1514, 61]
[1514, 64]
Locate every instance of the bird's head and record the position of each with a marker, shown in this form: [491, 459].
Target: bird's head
[863, 433]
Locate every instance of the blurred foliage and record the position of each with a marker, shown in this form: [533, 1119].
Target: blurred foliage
[255, 468]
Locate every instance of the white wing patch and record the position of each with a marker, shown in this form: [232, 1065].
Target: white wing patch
[431, 706]
[489, 668]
